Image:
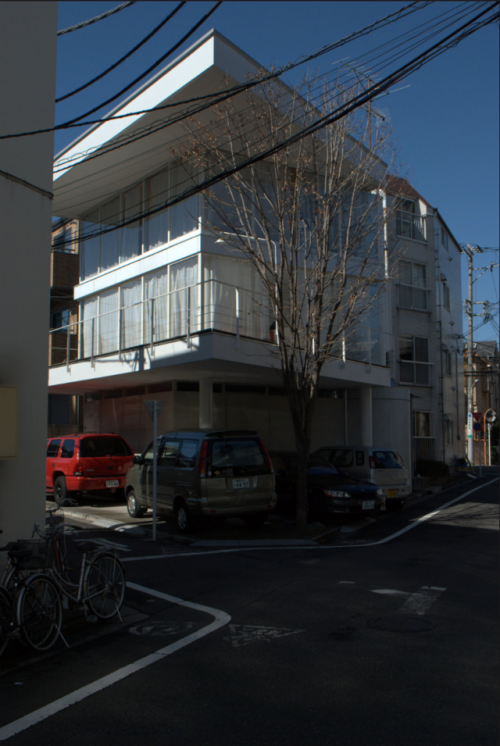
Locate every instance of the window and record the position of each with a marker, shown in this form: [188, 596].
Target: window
[421, 424]
[414, 348]
[342, 458]
[444, 238]
[413, 284]
[53, 448]
[446, 296]
[68, 448]
[61, 319]
[360, 458]
[168, 453]
[448, 426]
[447, 362]
[187, 454]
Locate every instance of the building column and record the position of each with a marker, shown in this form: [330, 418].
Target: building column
[366, 416]
[206, 403]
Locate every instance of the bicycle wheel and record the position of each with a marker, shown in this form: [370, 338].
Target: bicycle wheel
[5, 617]
[39, 612]
[105, 585]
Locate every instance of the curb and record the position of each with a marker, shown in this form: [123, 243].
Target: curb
[105, 523]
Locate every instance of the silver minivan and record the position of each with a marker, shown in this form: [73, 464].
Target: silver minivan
[212, 473]
[384, 467]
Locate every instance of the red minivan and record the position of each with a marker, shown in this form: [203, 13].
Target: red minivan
[87, 461]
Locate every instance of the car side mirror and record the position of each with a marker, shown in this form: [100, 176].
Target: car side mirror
[136, 460]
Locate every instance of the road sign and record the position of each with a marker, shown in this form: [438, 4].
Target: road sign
[477, 416]
[477, 426]
[152, 404]
[469, 425]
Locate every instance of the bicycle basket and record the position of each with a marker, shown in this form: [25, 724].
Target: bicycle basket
[38, 549]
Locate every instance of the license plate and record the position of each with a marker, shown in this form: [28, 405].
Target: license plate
[239, 483]
[112, 483]
[392, 493]
[368, 504]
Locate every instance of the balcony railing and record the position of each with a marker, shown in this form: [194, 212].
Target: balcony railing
[414, 298]
[179, 314]
[418, 374]
[409, 225]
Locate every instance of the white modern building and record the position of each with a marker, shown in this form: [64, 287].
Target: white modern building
[167, 312]
[28, 72]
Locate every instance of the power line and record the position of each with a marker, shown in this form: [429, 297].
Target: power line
[156, 126]
[402, 12]
[97, 18]
[439, 48]
[125, 57]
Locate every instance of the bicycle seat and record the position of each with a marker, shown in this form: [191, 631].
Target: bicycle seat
[87, 546]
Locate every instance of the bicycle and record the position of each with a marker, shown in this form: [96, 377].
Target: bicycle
[32, 609]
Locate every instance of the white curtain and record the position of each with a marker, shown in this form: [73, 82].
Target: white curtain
[108, 321]
[131, 233]
[185, 214]
[89, 312]
[131, 314]
[228, 282]
[183, 275]
[110, 242]
[156, 286]
[89, 249]
[157, 226]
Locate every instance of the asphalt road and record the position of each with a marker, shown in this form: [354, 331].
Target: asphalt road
[387, 639]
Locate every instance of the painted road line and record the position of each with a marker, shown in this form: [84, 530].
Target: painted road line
[421, 601]
[412, 525]
[245, 634]
[220, 620]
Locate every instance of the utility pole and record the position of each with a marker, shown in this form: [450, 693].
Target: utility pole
[470, 251]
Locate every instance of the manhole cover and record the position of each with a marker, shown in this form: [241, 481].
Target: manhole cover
[402, 623]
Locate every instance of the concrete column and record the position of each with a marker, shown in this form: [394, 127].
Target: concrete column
[366, 416]
[206, 403]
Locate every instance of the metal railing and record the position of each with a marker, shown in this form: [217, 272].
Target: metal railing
[413, 298]
[418, 374]
[411, 226]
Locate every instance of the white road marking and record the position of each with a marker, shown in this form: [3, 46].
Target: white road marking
[160, 629]
[421, 601]
[220, 620]
[390, 592]
[245, 634]
[410, 526]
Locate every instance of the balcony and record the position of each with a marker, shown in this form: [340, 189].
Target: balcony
[411, 226]
[416, 374]
[413, 298]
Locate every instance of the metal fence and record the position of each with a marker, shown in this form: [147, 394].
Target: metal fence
[418, 374]
[409, 225]
[413, 298]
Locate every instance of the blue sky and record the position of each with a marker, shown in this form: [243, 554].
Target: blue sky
[445, 124]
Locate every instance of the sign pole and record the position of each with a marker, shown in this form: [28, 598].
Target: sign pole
[155, 459]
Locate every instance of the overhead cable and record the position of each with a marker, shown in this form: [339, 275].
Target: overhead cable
[126, 56]
[439, 48]
[97, 18]
[402, 12]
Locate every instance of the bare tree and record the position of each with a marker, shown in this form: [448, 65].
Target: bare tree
[310, 218]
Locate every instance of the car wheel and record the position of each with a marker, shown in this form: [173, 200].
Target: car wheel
[183, 517]
[256, 520]
[61, 492]
[133, 508]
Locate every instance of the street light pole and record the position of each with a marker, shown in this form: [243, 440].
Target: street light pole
[470, 251]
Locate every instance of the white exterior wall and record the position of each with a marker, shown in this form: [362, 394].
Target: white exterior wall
[28, 75]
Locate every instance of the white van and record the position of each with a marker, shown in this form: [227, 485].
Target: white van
[384, 467]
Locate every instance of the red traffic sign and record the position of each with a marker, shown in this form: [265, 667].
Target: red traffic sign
[477, 416]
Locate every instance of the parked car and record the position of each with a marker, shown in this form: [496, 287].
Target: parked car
[86, 462]
[212, 473]
[328, 491]
[384, 467]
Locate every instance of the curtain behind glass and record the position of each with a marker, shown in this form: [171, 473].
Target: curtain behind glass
[132, 233]
[89, 312]
[156, 286]
[108, 321]
[110, 242]
[185, 214]
[157, 226]
[89, 249]
[131, 314]
[183, 275]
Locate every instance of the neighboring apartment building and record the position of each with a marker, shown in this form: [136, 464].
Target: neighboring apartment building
[427, 326]
[166, 312]
[485, 385]
[64, 411]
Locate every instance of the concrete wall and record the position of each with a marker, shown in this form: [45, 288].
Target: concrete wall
[28, 76]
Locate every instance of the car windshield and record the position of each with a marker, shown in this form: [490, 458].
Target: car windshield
[234, 457]
[314, 461]
[104, 446]
[388, 460]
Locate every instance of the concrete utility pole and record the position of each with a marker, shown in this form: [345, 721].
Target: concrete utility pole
[470, 251]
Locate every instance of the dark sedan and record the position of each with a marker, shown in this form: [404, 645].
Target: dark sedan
[328, 491]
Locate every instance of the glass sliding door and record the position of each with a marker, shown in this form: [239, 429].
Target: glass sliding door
[108, 320]
[131, 233]
[157, 226]
[156, 289]
[110, 242]
[89, 247]
[183, 276]
[131, 314]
